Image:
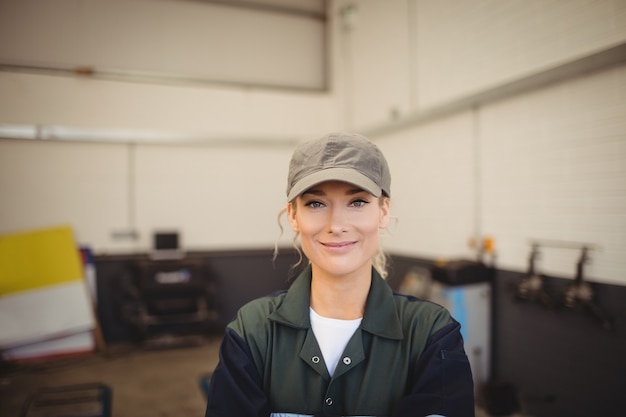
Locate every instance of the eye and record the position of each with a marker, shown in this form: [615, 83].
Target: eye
[314, 204]
[359, 203]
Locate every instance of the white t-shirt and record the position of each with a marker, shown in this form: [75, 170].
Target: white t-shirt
[332, 336]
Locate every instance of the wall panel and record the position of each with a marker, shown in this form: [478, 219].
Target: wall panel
[463, 48]
[83, 185]
[218, 197]
[169, 39]
[372, 42]
[433, 188]
[554, 167]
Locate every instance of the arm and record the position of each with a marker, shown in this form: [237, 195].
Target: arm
[235, 388]
[443, 382]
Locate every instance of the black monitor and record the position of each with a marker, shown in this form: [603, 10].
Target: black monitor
[166, 241]
[166, 245]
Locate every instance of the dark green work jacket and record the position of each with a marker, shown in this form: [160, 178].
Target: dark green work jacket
[405, 359]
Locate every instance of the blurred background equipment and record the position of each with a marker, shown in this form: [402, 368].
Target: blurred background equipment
[464, 288]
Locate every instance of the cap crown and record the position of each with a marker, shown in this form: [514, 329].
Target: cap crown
[347, 157]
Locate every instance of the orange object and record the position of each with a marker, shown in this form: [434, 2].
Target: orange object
[488, 244]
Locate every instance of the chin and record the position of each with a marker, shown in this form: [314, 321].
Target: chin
[342, 268]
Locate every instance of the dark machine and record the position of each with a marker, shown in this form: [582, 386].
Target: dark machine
[170, 297]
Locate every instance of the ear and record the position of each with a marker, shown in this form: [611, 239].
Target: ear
[291, 215]
[385, 213]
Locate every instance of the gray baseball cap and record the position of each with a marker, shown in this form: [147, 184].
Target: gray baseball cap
[347, 157]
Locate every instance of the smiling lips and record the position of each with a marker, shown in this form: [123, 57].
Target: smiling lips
[337, 245]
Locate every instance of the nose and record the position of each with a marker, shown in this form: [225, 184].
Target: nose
[337, 220]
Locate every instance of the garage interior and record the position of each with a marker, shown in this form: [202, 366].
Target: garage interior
[157, 133]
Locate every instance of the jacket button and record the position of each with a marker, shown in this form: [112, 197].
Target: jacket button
[329, 401]
[315, 359]
[347, 360]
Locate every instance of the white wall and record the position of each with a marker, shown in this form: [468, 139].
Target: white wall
[217, 197]
[433, 188]
[553, 167]
[373, 68]
[170, 38]
[164, 69]
[139, 111]
[400, 57]
[46, 184]
[464, 47]
[546, 163]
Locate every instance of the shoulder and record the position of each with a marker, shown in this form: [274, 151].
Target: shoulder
[421, 316]
[255, 314]
[397, 316]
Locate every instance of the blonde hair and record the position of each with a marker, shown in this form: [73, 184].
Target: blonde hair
[379, 260]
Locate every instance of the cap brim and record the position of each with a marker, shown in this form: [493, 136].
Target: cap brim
[348, 175]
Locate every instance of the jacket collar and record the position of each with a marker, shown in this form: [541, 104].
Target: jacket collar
[380, 318]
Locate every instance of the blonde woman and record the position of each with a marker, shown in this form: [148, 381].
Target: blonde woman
[340, 342]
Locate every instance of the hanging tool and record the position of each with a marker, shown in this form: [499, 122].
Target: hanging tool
[531, 288]
[580, 296]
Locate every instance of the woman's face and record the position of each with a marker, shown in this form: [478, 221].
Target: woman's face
[339, 226]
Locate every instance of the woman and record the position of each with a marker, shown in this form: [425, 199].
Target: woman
[339, 342]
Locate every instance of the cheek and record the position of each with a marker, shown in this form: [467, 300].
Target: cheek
[369, 226]
[306, 223]
[372, 229]
[307, 227]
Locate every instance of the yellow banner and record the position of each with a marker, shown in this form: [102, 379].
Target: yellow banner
[38, 258]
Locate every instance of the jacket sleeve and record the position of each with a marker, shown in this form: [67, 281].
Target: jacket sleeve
[442, 382]
[235, 388]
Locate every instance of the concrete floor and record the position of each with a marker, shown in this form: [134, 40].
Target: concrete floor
[145, 382]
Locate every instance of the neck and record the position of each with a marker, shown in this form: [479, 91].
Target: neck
[341, 298]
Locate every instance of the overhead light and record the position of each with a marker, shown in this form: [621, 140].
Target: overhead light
[18, 131]
[83, 134]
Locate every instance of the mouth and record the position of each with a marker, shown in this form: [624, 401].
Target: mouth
[338, 245]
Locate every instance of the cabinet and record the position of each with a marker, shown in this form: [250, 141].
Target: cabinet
[171, 299]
